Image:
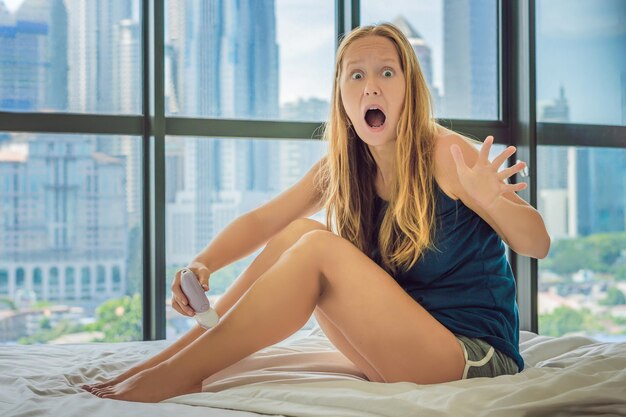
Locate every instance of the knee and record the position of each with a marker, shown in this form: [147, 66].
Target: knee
[316, 240]
[295, 230]
[298, 228]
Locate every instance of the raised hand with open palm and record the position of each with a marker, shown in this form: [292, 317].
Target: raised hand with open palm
[483, 182]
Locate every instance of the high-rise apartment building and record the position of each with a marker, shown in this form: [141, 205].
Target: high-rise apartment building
[32, 46]
[424, 55]
[581, 188]
[470, 59]
[223, 62]
[62, 220]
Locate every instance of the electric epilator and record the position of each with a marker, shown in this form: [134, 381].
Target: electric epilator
[198, 301]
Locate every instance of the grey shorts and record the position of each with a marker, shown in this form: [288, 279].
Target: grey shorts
[482, 360]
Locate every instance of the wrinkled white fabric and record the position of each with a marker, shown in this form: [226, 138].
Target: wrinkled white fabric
[564, 376]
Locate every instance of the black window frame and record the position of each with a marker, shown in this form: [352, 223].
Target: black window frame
[517, 125]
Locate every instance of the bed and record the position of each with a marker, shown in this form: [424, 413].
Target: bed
[565, 376]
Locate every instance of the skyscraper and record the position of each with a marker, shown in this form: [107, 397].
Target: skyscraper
[92, 49]
[224, 61]
[470, 59]
[64, 229]
[552, 172]
[581, 189]
[63, 216]
[623, 86]
[126, 85]
[32, 46]
[423, 52]
[552, 160]
[600, 189]
[8, 29]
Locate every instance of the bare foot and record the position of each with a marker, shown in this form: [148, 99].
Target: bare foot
[150, 386]
[100, 385]
[113, 381]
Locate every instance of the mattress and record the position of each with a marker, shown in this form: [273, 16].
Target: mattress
[564, 376]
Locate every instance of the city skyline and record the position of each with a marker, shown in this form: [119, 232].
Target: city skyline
[71, 204]
[592, 28]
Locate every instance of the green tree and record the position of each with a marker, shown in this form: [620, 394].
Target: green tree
[613, 297]
[45, 323]
[566, 256]
[8, 302]
[46, 333]
[599, 253]
[120, 319]
[565, 320]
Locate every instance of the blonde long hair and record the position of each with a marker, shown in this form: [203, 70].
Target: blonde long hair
[348, 171]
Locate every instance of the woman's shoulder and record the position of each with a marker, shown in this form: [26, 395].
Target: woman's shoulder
[445, 138]
[445, 167]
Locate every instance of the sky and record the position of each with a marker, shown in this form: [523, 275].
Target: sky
[12, 5]
[581, 45]
[306, 35]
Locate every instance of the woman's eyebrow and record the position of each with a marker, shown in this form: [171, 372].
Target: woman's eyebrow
[358, 61]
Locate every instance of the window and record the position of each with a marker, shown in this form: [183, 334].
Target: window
[76, 56]
[59, 227]
[581, 189]
[70, 284]
[53, 284]
[210, 182]
[249, 59]
[581, 64]
[582, 283]
[456, 42]
[269, 64]
[4, 282]
[85, 283]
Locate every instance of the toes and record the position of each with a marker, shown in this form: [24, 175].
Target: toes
[109, 393]
[100, 392]
[92, 387]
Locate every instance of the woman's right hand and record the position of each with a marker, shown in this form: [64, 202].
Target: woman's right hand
[179, 301]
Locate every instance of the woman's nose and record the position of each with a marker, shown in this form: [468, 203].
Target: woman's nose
[371, 89]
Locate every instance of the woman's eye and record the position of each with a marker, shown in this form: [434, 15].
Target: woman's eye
[357, 76]
[387, 73]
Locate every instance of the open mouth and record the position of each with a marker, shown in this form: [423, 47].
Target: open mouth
[375, 117]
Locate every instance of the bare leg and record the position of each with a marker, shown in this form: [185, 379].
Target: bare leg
[167, 353]
[397, 336]
[272, 251]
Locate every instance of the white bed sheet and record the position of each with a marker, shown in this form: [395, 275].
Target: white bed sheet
[564, 376]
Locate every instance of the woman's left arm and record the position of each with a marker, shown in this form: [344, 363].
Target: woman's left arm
[485, 190]
[522, 227]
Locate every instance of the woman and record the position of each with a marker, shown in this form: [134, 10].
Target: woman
[413, 285]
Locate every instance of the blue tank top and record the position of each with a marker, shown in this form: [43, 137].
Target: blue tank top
[465, 281]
